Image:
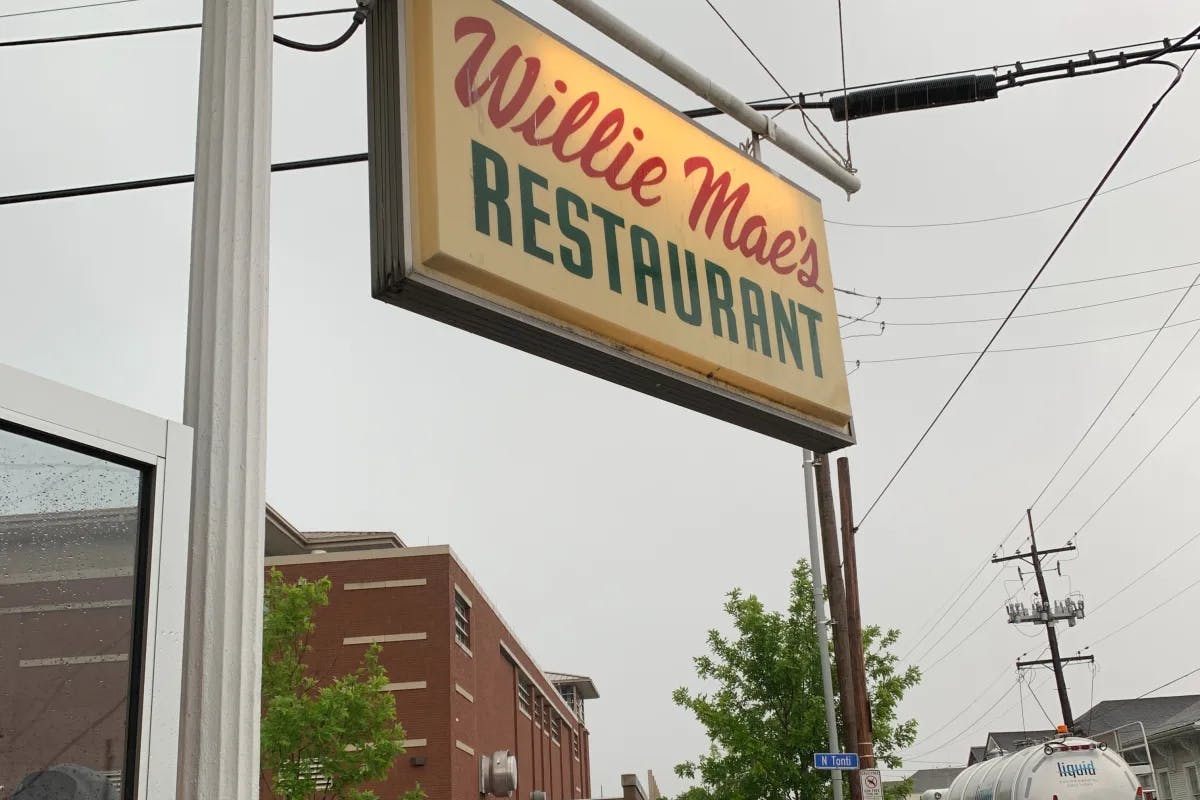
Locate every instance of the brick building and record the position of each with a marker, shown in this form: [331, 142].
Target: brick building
[464, 685]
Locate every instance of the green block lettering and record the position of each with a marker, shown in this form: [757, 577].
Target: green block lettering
[813, 318]
[754, 316]
[531, 215]
[787, 328]
[611, 223]
[720, 300]
[492, 194]
[690, 314]
[647, 264]
[580, 264]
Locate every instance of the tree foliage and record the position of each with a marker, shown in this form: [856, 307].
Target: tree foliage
[319, 740]
[765, 711]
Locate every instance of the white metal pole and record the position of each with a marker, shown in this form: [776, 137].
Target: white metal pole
[653, 53]
[818, 583]
[225, 403]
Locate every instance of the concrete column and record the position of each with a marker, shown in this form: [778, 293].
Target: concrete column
[225, 402]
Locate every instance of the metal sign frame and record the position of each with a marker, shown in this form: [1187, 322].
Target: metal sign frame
[394, 279]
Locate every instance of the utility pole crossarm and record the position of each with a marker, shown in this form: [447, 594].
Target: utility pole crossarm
[1026, 556]
[1043, 662]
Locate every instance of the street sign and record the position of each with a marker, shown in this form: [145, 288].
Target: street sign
[835, 760]
[871, 782]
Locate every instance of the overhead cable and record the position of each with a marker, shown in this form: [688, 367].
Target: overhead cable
[827, 146]
[65, 8]
[1027, 348]
[1138, 465]
[185, 26]
[360, 15]
[1171, 682]
[960, 617]
[987, 292]
[1050, 312]
[171, 180]
[1053, 252]
[1124, 424]
[1132, 583]
[998, 218]
[1145, 614]
[945, 609]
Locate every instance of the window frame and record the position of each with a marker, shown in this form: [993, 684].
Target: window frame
[162, 451]
[462, 610]
[1163, 789]
[525, 697]
[1189, 771]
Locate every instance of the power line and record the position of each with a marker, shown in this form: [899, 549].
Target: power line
[945, 610]
[748, 48]
[973, 633]
[1062, 239]
[1133, 582]
[360, 15]
[1145, 614]
[1053, 346]
[960, 617]
[172, 180]
[1000, 217]
[65, 8]
[1168, 683]
[989, 292]
[186, 26]
[1050, 312]
[955, 717]
[1124, 424]
[832, 151]
[1138, 465]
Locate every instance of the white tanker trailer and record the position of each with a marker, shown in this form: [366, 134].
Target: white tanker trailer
[1065, 768]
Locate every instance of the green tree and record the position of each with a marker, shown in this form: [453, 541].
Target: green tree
[320, 740]
[765, 713]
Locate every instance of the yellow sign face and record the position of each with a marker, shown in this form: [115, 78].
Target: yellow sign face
[544, 183]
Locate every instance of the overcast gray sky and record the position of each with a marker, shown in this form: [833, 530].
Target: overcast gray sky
[551, 483]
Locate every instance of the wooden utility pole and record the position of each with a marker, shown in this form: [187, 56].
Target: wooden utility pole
[865, 745]
[1046, 613]
[837, 611]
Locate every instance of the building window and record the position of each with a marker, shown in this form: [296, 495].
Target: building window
[524, 691]
[72, 530]
[462, 621]
[1193, 781]
[537, 710]
[556, 729]
[575, 744]
[1164, 785]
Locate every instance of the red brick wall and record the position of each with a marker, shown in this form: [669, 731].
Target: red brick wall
[424, 713]
[493, 721]
[487, 721]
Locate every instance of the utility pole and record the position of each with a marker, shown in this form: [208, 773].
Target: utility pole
[1046, 613]
[225, 403]
[843, 659]
[814, 564]
[865, 745]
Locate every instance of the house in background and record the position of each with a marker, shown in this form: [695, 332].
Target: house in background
[1159, 737]
[925, 779]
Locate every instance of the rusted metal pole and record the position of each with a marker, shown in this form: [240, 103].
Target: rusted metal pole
[866, 744]
[837, 611]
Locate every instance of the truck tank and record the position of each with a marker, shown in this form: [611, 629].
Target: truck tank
[1066, 768]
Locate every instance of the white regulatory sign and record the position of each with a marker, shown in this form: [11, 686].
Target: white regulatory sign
[872, 784]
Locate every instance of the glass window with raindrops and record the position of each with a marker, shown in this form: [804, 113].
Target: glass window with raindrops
[71, 539]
